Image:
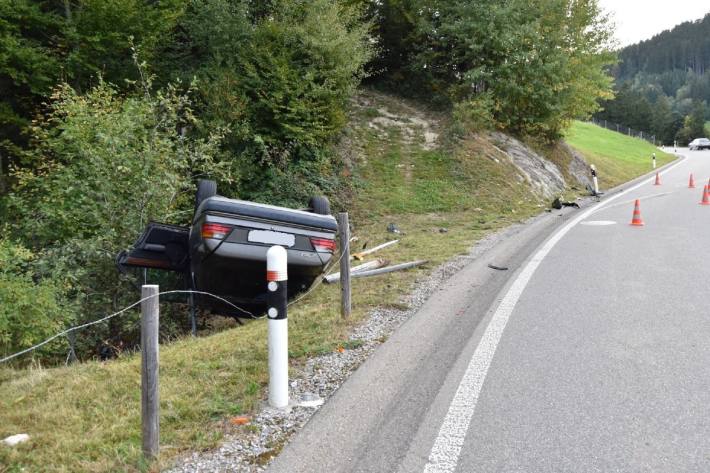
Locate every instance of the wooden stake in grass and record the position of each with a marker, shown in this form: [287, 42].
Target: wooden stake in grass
[344, 229]
[362, 254]
[374, 264]
[150, 400]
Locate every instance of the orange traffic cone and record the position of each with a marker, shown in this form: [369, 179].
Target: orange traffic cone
[658, 180]
[636, 219]
[706, 197]
[691, 182]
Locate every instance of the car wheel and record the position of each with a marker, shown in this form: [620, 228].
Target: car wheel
[319, 205]
[206, 188]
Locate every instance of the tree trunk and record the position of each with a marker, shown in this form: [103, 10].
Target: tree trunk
[3, 184]
[67, 10]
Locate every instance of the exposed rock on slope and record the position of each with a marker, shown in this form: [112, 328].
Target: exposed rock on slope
[542, 175]
[578, 168]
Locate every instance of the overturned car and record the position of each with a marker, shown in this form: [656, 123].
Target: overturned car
[223, 251]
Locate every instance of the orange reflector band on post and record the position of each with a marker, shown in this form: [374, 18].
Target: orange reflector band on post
[276, 276]
[276, 266]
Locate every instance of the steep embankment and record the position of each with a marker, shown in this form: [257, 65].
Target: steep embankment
[441, 194]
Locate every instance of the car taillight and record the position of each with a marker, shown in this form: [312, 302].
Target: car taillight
[215, 230]
[321, 244]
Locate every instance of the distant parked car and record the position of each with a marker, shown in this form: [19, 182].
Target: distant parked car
[699, 143]
[223, 251]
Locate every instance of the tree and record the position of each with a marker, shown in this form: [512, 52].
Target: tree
[541, 62]
[30, 63]
[693, 124]
[43, 43]
[396, 30]
[280, 81]
[663, 121]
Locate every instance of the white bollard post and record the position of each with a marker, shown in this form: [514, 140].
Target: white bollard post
[654, 160]
[276, 300]
[594, 179]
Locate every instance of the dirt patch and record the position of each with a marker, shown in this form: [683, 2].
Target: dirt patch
[415, 127]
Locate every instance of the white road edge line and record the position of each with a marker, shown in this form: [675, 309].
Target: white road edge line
[444, 455]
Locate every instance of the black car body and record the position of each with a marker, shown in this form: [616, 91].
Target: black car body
[223, 251]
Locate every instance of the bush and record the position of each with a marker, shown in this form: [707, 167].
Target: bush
[31, 311]
[474, 114]
[103, 166]
[280, 80]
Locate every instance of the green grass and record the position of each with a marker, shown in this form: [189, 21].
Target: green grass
[87, 417]
[618, 158]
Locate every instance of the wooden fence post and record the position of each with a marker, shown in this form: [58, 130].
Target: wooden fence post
[344, 230]
[150, 399]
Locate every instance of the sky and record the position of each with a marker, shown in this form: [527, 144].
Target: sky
[637, 20]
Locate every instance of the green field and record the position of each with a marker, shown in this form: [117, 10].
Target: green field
[618, 158]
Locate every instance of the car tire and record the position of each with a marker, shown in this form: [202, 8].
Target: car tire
[206, 188]
[319, 205]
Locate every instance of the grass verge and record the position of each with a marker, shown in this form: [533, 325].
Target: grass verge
[618, 158]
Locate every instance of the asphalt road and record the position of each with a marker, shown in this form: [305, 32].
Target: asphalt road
[592, 356]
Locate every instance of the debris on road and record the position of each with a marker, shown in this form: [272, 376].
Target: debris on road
[499, 268]
[558, 204]
[393, 228]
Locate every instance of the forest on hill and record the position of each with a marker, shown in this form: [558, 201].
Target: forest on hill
[110, 111]
[663, 84]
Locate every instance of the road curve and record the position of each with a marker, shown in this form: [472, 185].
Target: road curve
[602, 362]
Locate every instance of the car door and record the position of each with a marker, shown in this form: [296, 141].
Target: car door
[160, 246]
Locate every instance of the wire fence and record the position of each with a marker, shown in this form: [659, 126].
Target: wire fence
[116, 314]
[625, 130]
[70, 331]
